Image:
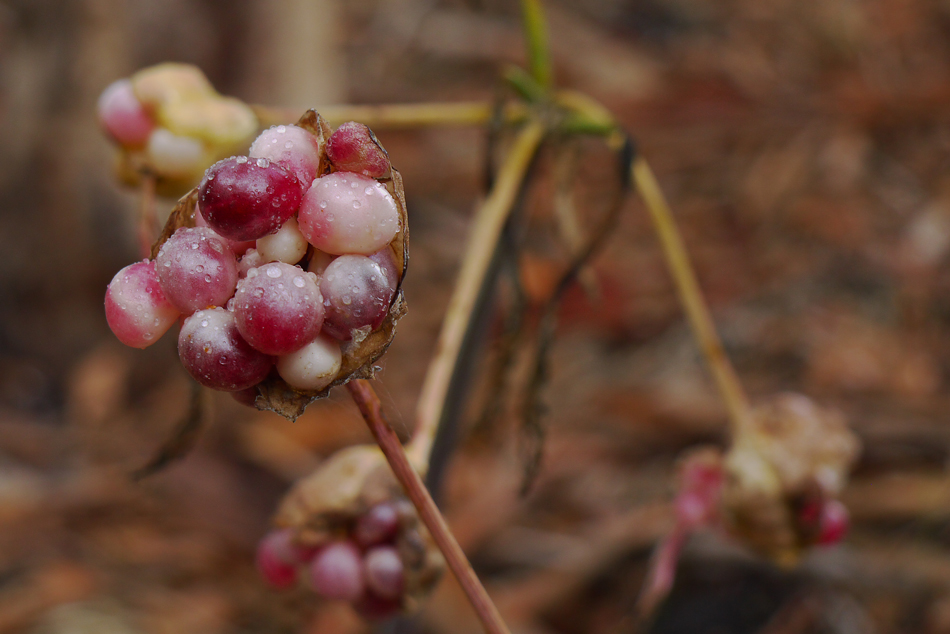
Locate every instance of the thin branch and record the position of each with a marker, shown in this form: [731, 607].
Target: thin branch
[371, 409]
[486, 232]
[399, 116]
[737, 403]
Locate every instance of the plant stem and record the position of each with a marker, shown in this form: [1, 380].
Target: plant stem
[399, 116]
[737, 404]
[537, 42]
[489, 223]
[371, 409]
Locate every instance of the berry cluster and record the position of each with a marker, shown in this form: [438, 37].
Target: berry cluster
[290, 262]
[362, 566]
[169, 121]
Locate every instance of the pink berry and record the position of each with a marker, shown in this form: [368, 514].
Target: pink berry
[291, 147]
[314, 366]
[215, 354]
[247, 199]
[278, 308]
[348, 213]
[196, 269]
[123, 116]
[238, 247]
[136, 307]
[337, 572]
[379, 524]
[354, 148]
[384, 572]
[356, 294]
[276, 559]
[833, 522]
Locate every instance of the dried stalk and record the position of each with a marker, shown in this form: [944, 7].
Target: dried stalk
[489, 224]
[737, 403]
[371, 409]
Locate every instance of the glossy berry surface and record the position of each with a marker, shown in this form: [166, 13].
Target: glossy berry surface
[353, 148]
[214, 353]
[196, 269]
[136, 307]
[356, 294]
[291, 147]
[277, 559]
[312, 367]
[122, 115]
[247, 199]
[384, 572]
[348, 213]
[278, 308]
[377, 525]
[336, 572]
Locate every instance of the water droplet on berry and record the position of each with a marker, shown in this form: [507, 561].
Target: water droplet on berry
[273, 271]
[204, 323]
[357, 204]
[281, 129]
[241, 160]
[263, 162]
[347, 300]
[298, 282]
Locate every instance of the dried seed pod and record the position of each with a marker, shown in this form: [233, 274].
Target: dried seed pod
[358, 354]
[334, 502]
[794, 457]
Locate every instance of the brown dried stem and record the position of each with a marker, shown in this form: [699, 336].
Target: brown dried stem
[737, 403]
[371, 409]
[489, 224]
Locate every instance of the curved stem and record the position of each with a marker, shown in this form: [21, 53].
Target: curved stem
[399, 116]
[489, 224]
[371, 409]
[737, 403]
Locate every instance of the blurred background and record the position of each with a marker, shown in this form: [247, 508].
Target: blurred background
[804, 147]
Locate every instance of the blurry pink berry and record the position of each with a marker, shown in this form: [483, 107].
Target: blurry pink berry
[278, 308]
[356, 294]
[136, 307]
[238, 247]
[700, 490]
[384, 572]
[337, 572]
[348, 213]
[251, 260]
[287, 245]
[276, 559]
[354, 148]
[215, 354]
[123, 116]
[247, 199]
[833, 523]
[379, 524]
[314, 366]
[291, 147]
[196, 269]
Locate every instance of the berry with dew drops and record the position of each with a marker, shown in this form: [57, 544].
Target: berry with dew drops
[353, 148]
[291, 147]
[356, 294]
[287, 245]
[348, 213]
[196, 269]
[217, 356]
[136, 307]
[247, 199]
[278, 308]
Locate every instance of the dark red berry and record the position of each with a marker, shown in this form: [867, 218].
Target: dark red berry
[247, 199]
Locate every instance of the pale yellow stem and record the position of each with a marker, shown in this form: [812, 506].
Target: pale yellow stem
[399, 116]
[489, 223]
[737, 404]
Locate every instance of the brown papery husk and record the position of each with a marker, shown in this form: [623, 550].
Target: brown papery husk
[359, 355]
